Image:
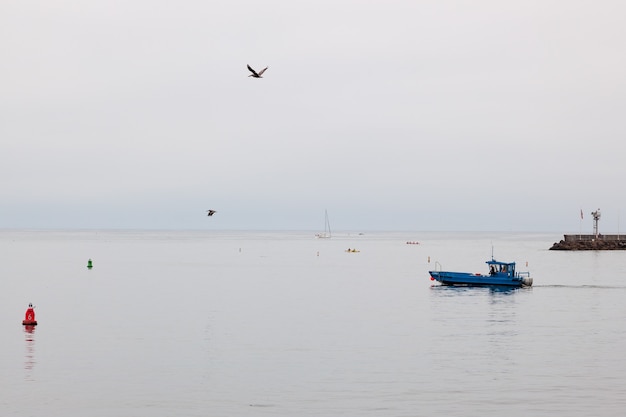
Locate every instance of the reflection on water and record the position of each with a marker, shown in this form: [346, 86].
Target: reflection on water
[453, 290]
[29, 356]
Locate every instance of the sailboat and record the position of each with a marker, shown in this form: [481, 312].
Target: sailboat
[327, 233]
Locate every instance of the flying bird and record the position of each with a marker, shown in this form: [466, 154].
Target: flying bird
[211, 212]
[256, 74]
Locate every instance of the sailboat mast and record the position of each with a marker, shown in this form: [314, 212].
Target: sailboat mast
[327, 226]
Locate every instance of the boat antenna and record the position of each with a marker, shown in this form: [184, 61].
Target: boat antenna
[492, 252]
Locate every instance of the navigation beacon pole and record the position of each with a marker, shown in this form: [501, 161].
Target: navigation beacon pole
[596, 217]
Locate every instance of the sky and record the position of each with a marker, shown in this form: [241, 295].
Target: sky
[480, 115]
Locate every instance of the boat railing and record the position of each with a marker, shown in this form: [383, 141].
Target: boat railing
[523, 274]
[437, 266]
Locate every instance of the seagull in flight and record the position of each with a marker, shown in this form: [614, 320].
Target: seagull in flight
[256, 74]
[211, 212]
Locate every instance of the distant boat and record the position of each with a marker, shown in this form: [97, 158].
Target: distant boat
[327, 233]
[500, 274]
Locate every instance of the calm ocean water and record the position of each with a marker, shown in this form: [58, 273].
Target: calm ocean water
[283, 324]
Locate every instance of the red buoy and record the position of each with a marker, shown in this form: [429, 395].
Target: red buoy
[29, 317]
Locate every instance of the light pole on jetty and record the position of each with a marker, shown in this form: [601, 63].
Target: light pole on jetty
[596, 217]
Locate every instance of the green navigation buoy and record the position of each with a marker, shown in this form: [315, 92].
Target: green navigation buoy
[89, 264]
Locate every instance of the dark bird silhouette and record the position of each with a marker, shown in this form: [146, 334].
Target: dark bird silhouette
[256, 74]
[211, 212]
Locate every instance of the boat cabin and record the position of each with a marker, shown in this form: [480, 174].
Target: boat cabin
[501, 268]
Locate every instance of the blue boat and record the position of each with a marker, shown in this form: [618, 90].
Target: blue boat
[500, 274]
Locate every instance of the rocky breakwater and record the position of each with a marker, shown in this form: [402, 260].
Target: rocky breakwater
[575, 242]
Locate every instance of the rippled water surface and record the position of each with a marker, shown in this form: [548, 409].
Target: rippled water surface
[283, 324]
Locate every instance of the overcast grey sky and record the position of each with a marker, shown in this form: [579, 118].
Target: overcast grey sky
[393, 115]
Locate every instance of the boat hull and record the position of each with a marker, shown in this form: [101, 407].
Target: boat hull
[479, 280]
